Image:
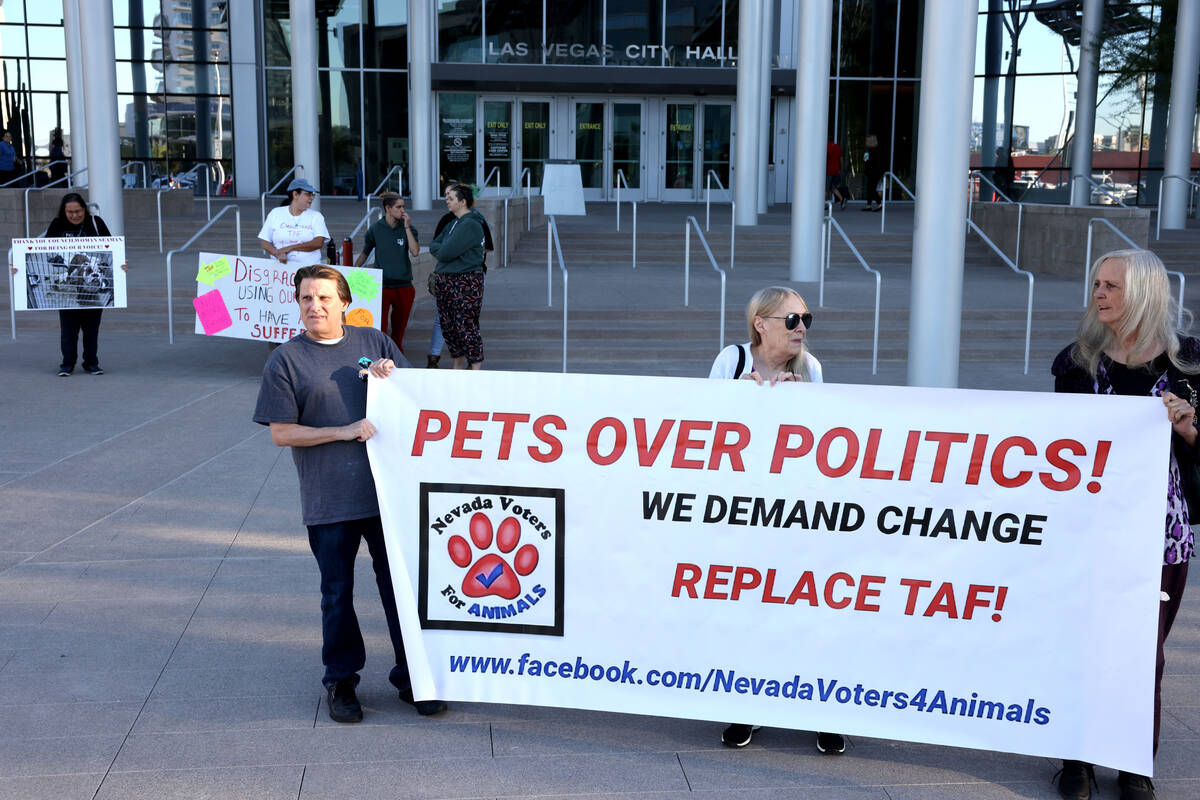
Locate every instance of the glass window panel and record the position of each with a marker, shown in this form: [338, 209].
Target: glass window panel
[731, 32]
[279, 124]
[681, 140]
[192, 14]
[337, 36]
[627, 142]
[514, 31]
[589, 143]
[535, 140]
[13, 12]
[456, 138]
[575, 32]
[868, 37]
[137, 76]
[277, 32]
[42, 11]
[386, 124]
[46, 42]
[136, 13]
[47, 76]
[141, 119]
[497, 141]
[46, 112]
[460, 31]
[385, 35]
[339, 132]
[908, 55]
[12, 40]
[865, 109]
[137, 44]
[717, 140]
[634, 32]
[693, 29]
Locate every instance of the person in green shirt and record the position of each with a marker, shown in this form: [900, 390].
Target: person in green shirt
[393, 239]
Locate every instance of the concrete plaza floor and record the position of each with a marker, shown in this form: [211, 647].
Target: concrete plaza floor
[159, 607]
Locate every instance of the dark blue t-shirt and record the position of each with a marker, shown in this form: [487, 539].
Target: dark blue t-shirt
[317, 385]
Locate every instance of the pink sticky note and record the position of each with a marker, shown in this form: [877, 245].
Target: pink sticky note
[212, 313]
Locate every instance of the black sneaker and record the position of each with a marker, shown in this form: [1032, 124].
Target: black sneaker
[1075, 780]
[831, 744]
[93, 370]
[737, 735]
[343, 702]
[63, 372]
[426, 708]
[1135, 787]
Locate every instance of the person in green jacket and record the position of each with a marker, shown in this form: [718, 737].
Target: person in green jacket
[458, 278]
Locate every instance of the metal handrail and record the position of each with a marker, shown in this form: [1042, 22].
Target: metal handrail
[363, 222]
[712, 174]
[709, 177]
[39, 169]
[383, 183]
[688, 224]
[1087, 266]
[528, 213]
[125, 168]
[1102, 190]
[262, 201]
[621, 180]
[1014, 268]
[1020, 207]
[237, 214]
[833, 225]
[552, 238]
[1162, 180]
[168, 188]
[66, 178]
[891, 178]
[495, 171]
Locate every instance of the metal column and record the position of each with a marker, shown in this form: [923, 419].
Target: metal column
[749, 98]
[1180, 130]
[1085, 102]
[767, 56]
[810, 134]
[103, 131]
[76, 106]
[305, 114]
[421, 152]
[943, 149]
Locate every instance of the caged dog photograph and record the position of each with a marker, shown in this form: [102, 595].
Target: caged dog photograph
[69, 280]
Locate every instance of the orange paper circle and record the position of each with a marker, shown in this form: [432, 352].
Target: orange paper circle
[360, 318]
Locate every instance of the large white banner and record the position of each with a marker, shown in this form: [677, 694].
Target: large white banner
[959, 567]
[69, 272]
[254, 298]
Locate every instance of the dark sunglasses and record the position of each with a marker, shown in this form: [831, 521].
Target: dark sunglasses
[791, 321]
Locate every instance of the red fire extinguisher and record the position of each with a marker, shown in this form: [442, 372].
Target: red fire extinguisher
[347, 252]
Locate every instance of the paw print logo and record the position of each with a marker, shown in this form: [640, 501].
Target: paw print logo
[491, 573]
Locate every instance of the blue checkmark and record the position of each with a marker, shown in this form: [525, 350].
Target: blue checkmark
[491, 576]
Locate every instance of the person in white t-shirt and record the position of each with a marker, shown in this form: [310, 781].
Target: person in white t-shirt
[294, 234]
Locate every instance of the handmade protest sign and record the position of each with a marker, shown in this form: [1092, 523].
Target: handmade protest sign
[254, 298]
[886, 561]
[71, 272]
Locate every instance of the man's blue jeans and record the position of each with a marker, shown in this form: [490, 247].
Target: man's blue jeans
[335, 545]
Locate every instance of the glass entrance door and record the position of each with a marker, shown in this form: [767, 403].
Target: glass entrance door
[497, 146]
[680, 153]
[535, 142]
[717, 148]
[608, 137]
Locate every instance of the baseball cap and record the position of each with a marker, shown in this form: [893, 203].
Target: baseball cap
[302, 184]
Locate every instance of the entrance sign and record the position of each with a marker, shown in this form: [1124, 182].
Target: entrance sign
[883, 561]
[255, 298]
[562, 189]
[71, 272]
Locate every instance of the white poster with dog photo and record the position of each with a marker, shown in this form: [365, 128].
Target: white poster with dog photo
[71, 272]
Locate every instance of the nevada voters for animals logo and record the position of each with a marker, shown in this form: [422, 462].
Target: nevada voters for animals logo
[491, 558]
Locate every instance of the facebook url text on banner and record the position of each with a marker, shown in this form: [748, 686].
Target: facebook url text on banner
[730, 682]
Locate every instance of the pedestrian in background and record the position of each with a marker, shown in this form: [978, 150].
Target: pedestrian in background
[393, 240]
[458, 277]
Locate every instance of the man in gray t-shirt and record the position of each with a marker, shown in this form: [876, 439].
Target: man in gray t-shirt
[314, 398]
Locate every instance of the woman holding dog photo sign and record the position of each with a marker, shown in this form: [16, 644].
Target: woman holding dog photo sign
[75, 220]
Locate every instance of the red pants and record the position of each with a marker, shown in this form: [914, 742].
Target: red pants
[398, 301]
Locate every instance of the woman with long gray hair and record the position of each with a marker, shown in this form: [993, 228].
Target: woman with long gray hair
[1130, 344]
